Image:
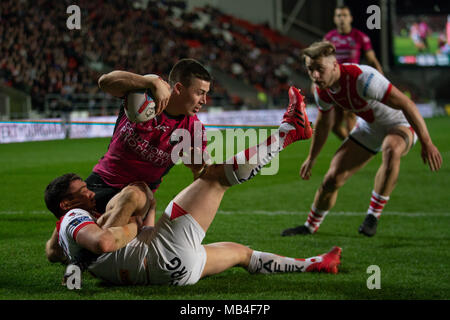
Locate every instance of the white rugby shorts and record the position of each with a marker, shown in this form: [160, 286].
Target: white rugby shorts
[371, 135]
[175, 254]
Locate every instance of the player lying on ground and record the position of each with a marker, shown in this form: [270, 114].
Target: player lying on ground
[171, 252]
[388, 121]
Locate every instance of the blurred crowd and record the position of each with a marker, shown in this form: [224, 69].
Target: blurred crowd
[40, 55]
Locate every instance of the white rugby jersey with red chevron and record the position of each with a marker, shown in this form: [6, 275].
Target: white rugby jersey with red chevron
[68, 227]
[363, 90]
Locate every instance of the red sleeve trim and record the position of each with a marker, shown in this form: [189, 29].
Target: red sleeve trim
[78, 228]
[386, 94]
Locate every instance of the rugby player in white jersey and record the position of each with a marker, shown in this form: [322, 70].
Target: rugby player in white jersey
[171, 252]
[388, 121]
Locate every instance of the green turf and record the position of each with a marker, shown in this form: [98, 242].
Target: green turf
[411, 250]
[404, 46]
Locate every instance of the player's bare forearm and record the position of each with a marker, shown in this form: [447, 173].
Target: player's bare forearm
[98, 240]
[118, 83]
[322, 128]
[53, 250]
[122, 235]
[377, 66]
[373, 61]
[417, 122]
[54, 253]
[430, 153]
[398, 100]
[149, 220]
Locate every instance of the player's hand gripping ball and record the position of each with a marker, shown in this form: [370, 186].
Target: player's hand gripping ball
[140, 106]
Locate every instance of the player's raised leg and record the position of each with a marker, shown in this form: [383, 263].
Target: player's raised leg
[202, 198]
[295, 126]
[224, 255]
[396, 144]
[349, 158]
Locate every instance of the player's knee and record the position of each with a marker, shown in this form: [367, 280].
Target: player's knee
[131, 193]
[140, 185]
[392, 153]
[141, 188]
[215, 173]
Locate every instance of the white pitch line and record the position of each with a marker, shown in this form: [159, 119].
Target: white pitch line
[275, 212]
[8, 212]
[342, 213]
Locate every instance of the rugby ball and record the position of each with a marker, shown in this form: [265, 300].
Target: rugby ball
[140, 106]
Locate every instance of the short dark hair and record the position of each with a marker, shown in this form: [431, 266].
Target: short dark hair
[343, 7]
[319, 49]
[57, 190]
[187, 69]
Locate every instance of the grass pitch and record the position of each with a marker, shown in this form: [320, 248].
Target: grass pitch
[411, 246]
[404, 46]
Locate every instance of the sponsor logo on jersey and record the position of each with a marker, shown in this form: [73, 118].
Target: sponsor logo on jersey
[366, 85]
[78, 220]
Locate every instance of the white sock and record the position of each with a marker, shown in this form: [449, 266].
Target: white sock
[266, 263]
[246, 164]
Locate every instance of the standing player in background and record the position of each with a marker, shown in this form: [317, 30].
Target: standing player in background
[142, 152]
[424, 32]
[388, 122]
[349, 42]
[414, 33]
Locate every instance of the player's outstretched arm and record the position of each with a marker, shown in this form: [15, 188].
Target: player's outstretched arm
[118, 83]
[430, 153]
[322, 128]
[95, 239]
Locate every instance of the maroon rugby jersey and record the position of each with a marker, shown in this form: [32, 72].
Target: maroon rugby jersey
[349, 46]
[142, 152]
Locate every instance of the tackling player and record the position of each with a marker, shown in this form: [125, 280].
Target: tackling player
[388, 121]
[349, 43]
[171, 252]
[143, 151]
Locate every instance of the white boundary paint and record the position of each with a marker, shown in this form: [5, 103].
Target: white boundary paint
[274, 213]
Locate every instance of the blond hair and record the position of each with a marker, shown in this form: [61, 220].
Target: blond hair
[319, 49]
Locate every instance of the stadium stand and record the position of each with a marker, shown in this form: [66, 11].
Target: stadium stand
[41, 57]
